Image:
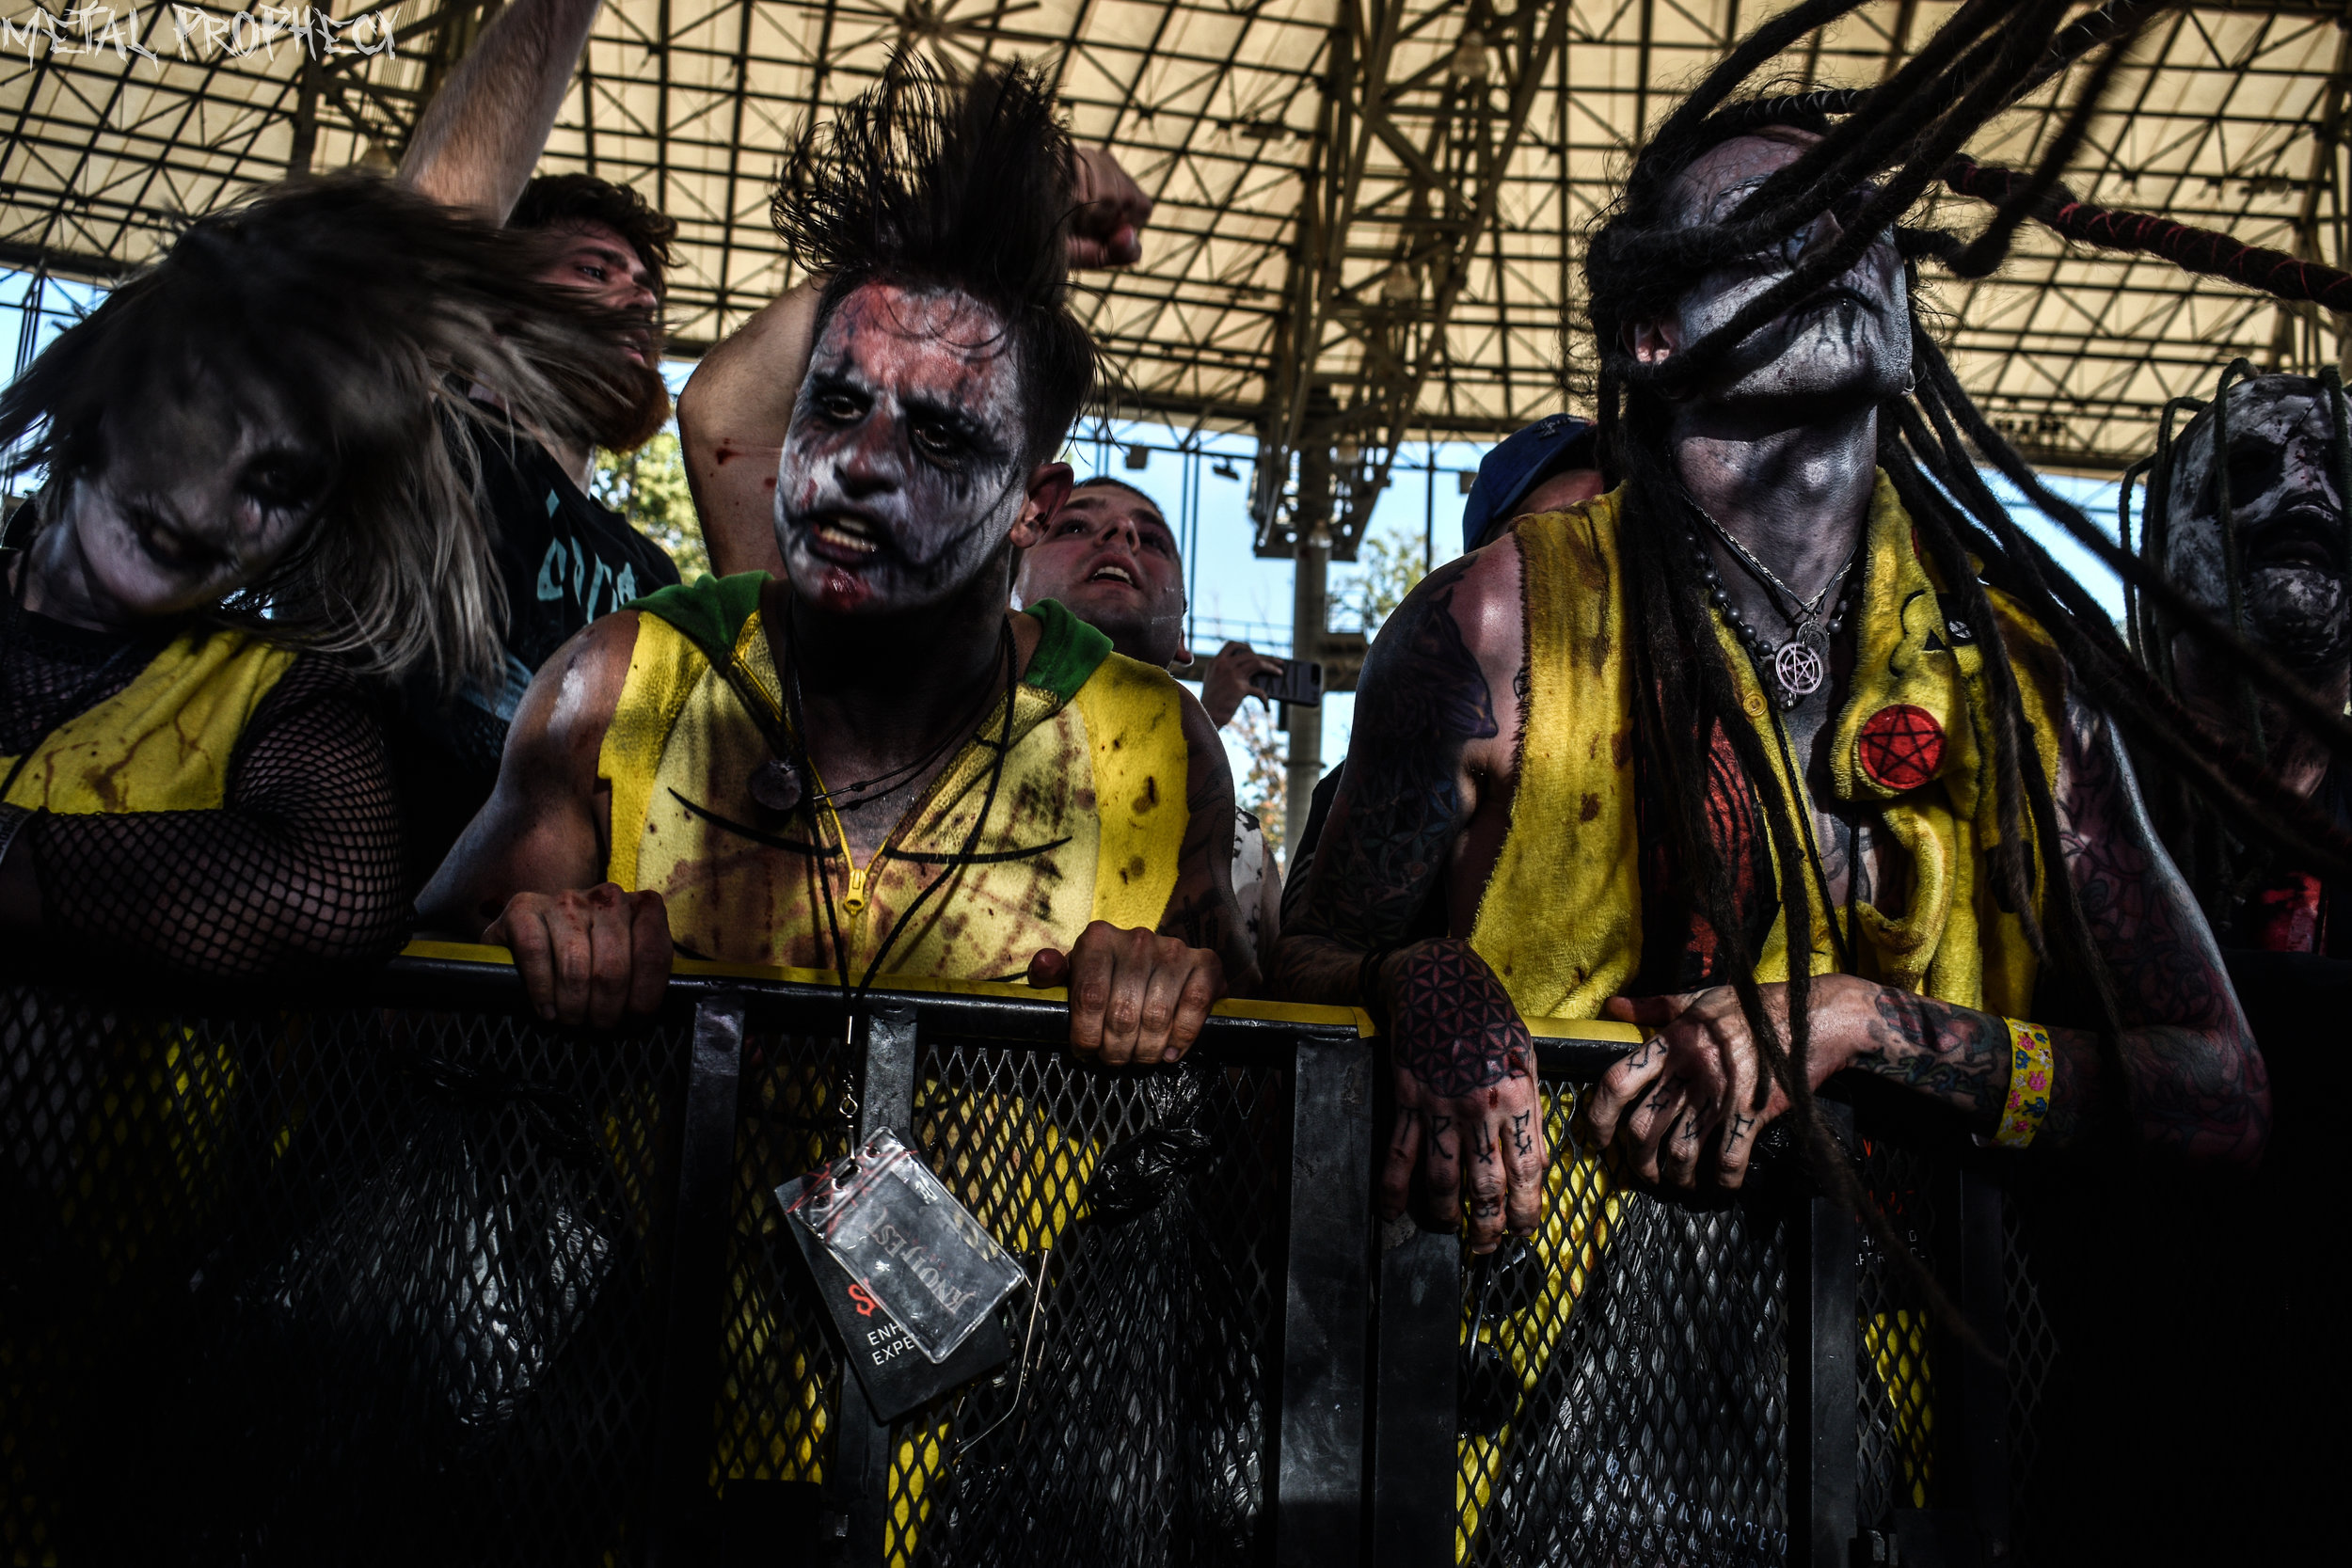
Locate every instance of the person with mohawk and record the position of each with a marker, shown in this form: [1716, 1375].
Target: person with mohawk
[868, 764]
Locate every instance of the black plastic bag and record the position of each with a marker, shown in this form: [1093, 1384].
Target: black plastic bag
[1140, 1435]
[404, 1380]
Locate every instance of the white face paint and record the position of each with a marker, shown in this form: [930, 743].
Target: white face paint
[2289, 514]
[192, 504]
[904, 472]
[1849, 343]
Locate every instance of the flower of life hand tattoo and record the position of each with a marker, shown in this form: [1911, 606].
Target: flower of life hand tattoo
[1455, 1029]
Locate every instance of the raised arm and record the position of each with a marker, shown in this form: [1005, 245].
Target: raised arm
[2192, 1082]
[483, 134]
[732, 418]
[1434, 742]
[528, 873]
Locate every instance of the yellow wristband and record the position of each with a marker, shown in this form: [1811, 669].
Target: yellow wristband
[2030, 1071]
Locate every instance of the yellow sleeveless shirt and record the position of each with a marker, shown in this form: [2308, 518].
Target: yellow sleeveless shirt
[1088, 822]
[164, 741]
[1560, 918]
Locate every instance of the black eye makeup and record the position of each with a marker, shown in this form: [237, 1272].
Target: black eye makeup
[282, 480]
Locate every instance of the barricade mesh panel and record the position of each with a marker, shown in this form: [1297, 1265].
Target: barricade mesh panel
[780, 1381]
[1624, 1401]
[1895, 1369]
[2033, 1350]
[348, 1286]
[1143, 1417]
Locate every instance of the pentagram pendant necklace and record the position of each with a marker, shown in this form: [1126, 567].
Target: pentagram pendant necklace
[1801, 663]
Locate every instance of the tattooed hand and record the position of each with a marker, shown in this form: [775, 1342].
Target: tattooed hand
[1466, 1103]
[1698, 1073]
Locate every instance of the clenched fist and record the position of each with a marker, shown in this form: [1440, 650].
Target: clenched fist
[588, 954]
[1135, 996]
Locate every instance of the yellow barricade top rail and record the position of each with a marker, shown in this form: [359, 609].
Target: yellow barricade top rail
[1599, 1030]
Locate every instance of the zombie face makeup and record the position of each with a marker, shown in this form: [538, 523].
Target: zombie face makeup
[2289, 514]
[191, 504]
[904, 470]
[1850, 343]
[1110, 557]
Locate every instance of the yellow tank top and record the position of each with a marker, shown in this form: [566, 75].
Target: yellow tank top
[1088, 821]
[1560, 918]
[164, 741]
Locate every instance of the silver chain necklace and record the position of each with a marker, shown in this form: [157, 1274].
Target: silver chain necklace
[1801, 663]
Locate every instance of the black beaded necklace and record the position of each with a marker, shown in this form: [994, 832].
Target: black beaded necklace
[1801, 664]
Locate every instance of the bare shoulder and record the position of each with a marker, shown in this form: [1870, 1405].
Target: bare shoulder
[571, 702]
[1483, 596]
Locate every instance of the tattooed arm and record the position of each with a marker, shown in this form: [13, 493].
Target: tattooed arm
[1432, 748]
[2193, 1083]
[1143, 996]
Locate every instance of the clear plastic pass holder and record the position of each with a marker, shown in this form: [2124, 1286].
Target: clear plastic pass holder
[917, 1251]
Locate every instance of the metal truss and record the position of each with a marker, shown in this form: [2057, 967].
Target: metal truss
[1371, 213]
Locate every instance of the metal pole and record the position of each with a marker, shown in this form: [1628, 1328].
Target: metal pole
[1311, 612]
[1310, 609]
[1429, 510]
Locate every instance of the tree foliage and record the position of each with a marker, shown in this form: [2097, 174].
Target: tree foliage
[648, 487]
[1387, 567]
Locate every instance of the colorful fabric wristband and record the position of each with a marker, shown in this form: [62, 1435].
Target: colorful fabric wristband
[2030, 1073]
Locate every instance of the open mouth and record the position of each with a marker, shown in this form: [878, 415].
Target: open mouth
[846, 541]
[171, 549]
[1108, 573]
[2308, 535]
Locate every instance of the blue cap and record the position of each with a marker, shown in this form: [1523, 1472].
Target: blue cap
[1521, 462]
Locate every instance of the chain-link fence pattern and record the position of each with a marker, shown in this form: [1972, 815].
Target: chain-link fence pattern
[343, 1286]
[1135, 1427]
[1898, 1362]
[406, 1282]
[779, 1377]
[1621, 1393]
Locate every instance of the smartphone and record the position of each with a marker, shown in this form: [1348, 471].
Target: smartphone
[1300, 684]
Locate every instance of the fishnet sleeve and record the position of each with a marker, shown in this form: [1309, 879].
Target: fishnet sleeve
[300, 866]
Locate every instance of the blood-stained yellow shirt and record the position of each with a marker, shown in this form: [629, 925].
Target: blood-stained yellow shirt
[1085, 821]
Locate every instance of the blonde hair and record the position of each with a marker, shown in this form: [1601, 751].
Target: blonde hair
[365, 314]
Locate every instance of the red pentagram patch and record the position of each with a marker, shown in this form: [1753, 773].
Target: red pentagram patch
[1901, 747]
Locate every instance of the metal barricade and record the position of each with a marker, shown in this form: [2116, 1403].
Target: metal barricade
[1738, 1381]
[598, 1348]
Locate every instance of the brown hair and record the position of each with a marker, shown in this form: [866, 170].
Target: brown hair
[555, 200]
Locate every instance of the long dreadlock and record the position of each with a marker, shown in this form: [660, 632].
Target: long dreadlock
[1873, 154]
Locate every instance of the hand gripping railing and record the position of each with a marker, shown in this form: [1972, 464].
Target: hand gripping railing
[592, 1344]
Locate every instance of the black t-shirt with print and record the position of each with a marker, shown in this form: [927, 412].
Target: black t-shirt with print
[564, 561]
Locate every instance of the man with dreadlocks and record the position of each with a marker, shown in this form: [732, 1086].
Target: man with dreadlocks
[1893, 771]
[868, 764]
